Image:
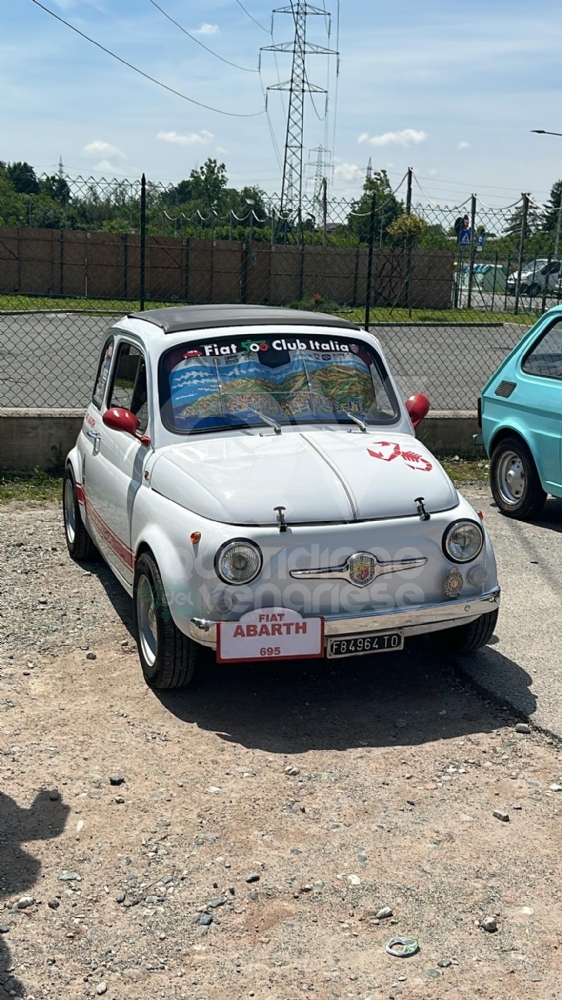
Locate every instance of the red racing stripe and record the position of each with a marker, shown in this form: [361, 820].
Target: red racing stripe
[122, 551]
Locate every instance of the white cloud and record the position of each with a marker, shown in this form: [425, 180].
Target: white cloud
[407, 137]
[191, 139]
[206, 29]
[463, 145]
[349, 172]
[105, 149]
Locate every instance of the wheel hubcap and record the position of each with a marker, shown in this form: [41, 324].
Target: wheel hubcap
[510, 478]
[69, 512]
[146, 617]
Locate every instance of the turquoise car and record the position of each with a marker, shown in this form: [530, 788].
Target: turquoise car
[521, 421]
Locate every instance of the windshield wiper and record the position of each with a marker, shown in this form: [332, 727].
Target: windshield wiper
[267, 420]
[357, 420]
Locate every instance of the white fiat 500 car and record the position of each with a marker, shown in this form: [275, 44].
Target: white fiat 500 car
[252, 478]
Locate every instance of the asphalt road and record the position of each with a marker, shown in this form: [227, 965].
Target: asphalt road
[523, 664]
[49, 359]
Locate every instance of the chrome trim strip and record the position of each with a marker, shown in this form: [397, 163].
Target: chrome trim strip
[414, 621]
[343, 572]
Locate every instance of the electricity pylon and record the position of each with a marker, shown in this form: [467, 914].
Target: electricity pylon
[297, 86]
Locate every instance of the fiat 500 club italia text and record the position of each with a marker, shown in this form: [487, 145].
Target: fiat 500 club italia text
[252, 477]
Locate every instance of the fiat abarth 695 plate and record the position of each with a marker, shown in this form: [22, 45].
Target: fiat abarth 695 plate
[252, 477]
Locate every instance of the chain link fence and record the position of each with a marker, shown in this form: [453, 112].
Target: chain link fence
[449, 290]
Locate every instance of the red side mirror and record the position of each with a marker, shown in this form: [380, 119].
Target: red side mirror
[417, 406]
[120, 419]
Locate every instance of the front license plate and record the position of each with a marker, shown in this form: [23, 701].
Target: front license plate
[270, 634]
[355, 645]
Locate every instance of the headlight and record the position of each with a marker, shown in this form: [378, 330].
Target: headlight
[463, 541]
[238, 562]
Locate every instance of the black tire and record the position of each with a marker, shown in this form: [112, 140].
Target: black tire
[526, 498]
[167, 656]
[80, 546]
[467, 638]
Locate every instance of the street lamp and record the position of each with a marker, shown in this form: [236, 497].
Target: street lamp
[543, 131]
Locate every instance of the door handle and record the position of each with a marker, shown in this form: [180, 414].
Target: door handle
[95, 436]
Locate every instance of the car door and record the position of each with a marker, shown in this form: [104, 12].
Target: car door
[539, 394]
[117, 468]
[93, 474]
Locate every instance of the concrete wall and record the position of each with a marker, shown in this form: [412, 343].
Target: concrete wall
[30, 438]
[107, 265]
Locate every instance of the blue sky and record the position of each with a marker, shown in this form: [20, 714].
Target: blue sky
[451, 89]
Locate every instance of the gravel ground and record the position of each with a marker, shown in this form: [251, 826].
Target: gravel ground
[239, 839]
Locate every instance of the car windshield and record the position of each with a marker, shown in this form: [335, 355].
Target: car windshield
[275, 379]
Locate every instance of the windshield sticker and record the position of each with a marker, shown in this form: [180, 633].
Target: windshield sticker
[234, 383]
[388, 451]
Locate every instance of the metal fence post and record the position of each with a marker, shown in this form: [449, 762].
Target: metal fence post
[545, 286]
[409, 192]
[143, 244]
[370, 263]
[495, 279]
[524, 215]
[409, 249]
[472, 250]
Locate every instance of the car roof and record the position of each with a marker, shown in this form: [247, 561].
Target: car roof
[177, 319]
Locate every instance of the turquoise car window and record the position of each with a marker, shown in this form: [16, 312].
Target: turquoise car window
[545, 357]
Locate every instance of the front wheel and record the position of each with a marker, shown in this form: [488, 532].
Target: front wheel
[467, 638]
[78, 542]
[514, 480]
[167, 656]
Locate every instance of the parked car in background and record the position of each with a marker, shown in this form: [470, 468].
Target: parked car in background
[535, 276]
[252, 477]
[521, 420]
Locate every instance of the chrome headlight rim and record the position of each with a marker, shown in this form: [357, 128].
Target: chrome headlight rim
[447, 534]
[232, 543]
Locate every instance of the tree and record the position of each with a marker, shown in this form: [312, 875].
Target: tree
[56, 187]
[515, 222]
[407, 230]
[552, 208]
[22, 178]
[208, 184]
[388, 208]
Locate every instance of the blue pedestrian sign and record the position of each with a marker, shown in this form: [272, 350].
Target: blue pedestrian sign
[480, 242]
[465, 238]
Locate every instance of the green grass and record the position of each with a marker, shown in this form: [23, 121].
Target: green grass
[467, 470]
[38, 485]
[21, 303]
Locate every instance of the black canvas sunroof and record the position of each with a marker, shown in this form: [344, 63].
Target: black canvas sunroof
[176, 319]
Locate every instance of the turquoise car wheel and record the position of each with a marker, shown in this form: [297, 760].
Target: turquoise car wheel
[514, 479]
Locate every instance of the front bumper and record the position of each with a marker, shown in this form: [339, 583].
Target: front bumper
[410, 621]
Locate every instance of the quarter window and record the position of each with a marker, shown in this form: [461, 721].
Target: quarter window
[129, 388]
[103, 374]
[545, 358]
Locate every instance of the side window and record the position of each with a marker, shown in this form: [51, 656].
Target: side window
[103, 374]
[129, 388]
[545, 358]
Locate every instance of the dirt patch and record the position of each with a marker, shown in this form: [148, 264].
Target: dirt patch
[149, 885]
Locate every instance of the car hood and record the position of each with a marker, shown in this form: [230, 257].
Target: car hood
[317, 476]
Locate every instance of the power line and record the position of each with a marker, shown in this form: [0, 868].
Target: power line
[247, 12]
[246, 69]
[208, 107]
